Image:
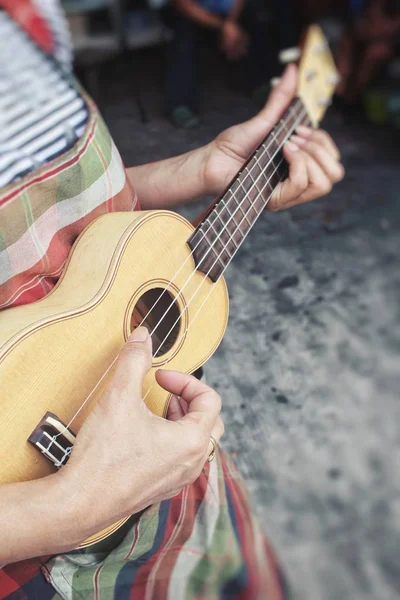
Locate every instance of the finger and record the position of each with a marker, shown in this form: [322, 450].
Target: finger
[321, 137]
[175, 410]
[281, 96]
[322, 156]
[287, 191]
[134, 362]
[204, 404]
[252, 132]
[319, 183]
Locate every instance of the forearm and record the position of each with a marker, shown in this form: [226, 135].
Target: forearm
[198, 14]
[236, 10]
[167, 183]
[37, 518]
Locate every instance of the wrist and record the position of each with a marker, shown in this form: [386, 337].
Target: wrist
[88, 507]
[38, 518]
[205, 182]
[95, 505]
[77, 514]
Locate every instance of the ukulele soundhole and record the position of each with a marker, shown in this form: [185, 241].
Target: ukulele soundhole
[157, 310]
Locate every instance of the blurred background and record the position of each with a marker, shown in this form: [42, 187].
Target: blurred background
[309, 369]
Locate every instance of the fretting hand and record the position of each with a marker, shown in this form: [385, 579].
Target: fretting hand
[314, 160]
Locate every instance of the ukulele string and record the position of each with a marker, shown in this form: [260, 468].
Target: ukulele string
[204, 301]
[260, 192]
[300, 116]
[206, 275]
[204, 233]
[224, 228]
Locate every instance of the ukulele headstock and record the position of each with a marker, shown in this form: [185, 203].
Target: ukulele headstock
[318, 76]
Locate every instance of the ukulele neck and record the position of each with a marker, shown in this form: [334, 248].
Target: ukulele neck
[225, 226]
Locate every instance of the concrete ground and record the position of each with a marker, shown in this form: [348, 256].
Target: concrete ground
[309, 369]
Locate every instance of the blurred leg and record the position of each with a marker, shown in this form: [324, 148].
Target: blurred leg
[180, 85]
[261, 62]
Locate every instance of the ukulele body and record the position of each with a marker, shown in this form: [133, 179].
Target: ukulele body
[53, 352]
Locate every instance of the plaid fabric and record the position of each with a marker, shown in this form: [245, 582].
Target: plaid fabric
[42, 215]
[203, 544]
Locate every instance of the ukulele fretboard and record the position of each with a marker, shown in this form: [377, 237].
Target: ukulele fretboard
[226, 225]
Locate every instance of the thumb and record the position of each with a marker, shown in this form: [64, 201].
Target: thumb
[134, 361]
[281, 96]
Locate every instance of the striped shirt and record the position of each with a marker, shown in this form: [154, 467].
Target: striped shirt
[59, 168]
[41, 114]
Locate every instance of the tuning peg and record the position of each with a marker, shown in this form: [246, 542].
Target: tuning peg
[322, 47]
[289, 55]
[274, 81]
[324, 102]
[333, 79]
[310, 75]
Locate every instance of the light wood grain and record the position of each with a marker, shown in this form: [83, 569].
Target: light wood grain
[53, 352]
[317, 74]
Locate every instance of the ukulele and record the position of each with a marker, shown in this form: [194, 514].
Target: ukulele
[152, 268]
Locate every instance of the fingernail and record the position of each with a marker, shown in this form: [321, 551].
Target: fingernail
[140, 334]
[299, 141]
[305, 131]
[292, 147]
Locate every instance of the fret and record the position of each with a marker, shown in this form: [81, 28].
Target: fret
[219, 219]
[234, 213]
[270, 155]
[277, 142]
[248, 196]
[279, 138]
[295, 117]
[268, 182]
[237, 199]
[255, 210]
[217, 240]
[285, 127]
[251, 200]
[218, 237]
[213, 245]
[228, 230]
[244, 217]
[223, 230]
[209, 254]
[277, 177]
[255, 182]
[231, 223]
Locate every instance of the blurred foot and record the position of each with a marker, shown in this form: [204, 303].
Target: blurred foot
[184, 118]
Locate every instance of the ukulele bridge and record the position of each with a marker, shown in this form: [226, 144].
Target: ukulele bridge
[53, 439]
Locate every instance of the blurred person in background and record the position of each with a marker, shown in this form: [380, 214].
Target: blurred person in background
[193, 534]
[368, 43]
[232, 26]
